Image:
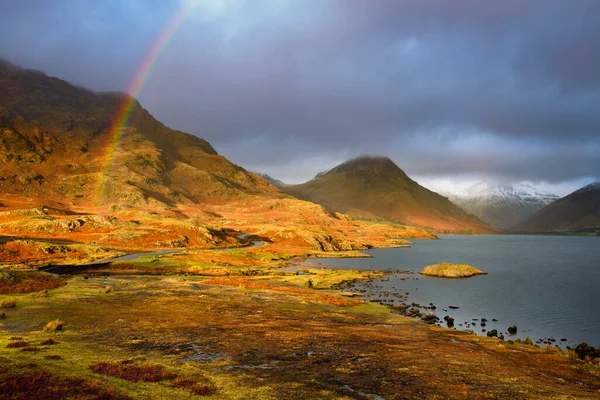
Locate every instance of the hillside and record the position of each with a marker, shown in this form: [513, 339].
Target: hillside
[501, 205]
[58, 144]
[577, 213]
[67, 174]
[375, 187]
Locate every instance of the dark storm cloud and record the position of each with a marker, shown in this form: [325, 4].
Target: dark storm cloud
[445, 88]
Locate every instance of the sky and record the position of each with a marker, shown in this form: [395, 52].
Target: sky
[454, 92]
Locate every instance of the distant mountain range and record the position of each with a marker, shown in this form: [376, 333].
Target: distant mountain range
[375, 187]
[272, 181]
[577, 213]
[58, 148]
[501, 205]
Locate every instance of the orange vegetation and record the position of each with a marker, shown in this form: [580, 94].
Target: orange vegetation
[41, 384]
[134, 373]
[249, 284]
[28, 283]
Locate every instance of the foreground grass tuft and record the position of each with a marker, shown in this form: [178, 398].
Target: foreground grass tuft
[132, 372]
[53, 326]
[8, 304]
[41, 384]
[29, 283]
[199, 389]
[248, 284]
[17, 344]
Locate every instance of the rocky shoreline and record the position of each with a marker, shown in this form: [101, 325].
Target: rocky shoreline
[399, 303]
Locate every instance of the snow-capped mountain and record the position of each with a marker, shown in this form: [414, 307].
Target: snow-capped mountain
[502, 205]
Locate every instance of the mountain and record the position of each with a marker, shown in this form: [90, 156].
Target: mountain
[375, 187]
[272, 181]
[58, 142]
[67, 173]
[502, 205]
[577, 213]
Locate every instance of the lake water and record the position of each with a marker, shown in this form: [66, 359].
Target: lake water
[549, 286]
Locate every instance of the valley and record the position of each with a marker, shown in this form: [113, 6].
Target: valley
[202, 312]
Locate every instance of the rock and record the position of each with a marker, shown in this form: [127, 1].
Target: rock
[429, 318]
[449, 270]
[492, 333]
[512, 329]
[449, 321]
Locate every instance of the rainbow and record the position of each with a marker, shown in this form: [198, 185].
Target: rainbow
[124, 112]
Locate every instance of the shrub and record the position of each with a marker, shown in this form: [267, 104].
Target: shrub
[8, 304]
[2, 315]
[41, 384]
[17, 344]
[29, 282]
[248, 284]
[586, 352]
[49, 342]
[108, 289]
[31, 349]
[133, 373]
[199, 389]
[53, 326]
[43, 293]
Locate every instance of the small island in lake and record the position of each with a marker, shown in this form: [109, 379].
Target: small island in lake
[449, 270]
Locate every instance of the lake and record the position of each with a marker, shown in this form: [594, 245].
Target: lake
[549, 286]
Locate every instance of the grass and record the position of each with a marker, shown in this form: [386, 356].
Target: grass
[449, 270]
[38, 383]
[17, 344]
[132, 372]
[29, 282]
[53, 326]
[260, 343]
[8, 304]
[251, 284]
[199, 389]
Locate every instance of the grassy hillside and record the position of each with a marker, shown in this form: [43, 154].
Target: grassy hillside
[57, 144]
[371, 187]
[577, 213]
[63, 176]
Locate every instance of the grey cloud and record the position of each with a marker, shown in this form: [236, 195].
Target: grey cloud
[510, 88]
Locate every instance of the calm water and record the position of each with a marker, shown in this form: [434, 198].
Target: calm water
[549, 286]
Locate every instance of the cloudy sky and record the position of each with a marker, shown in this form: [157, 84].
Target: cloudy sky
[453, 91]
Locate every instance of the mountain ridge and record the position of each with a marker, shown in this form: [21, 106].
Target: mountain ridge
[576, 213]
[52, 128]
[375, 187]
[501, 205]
